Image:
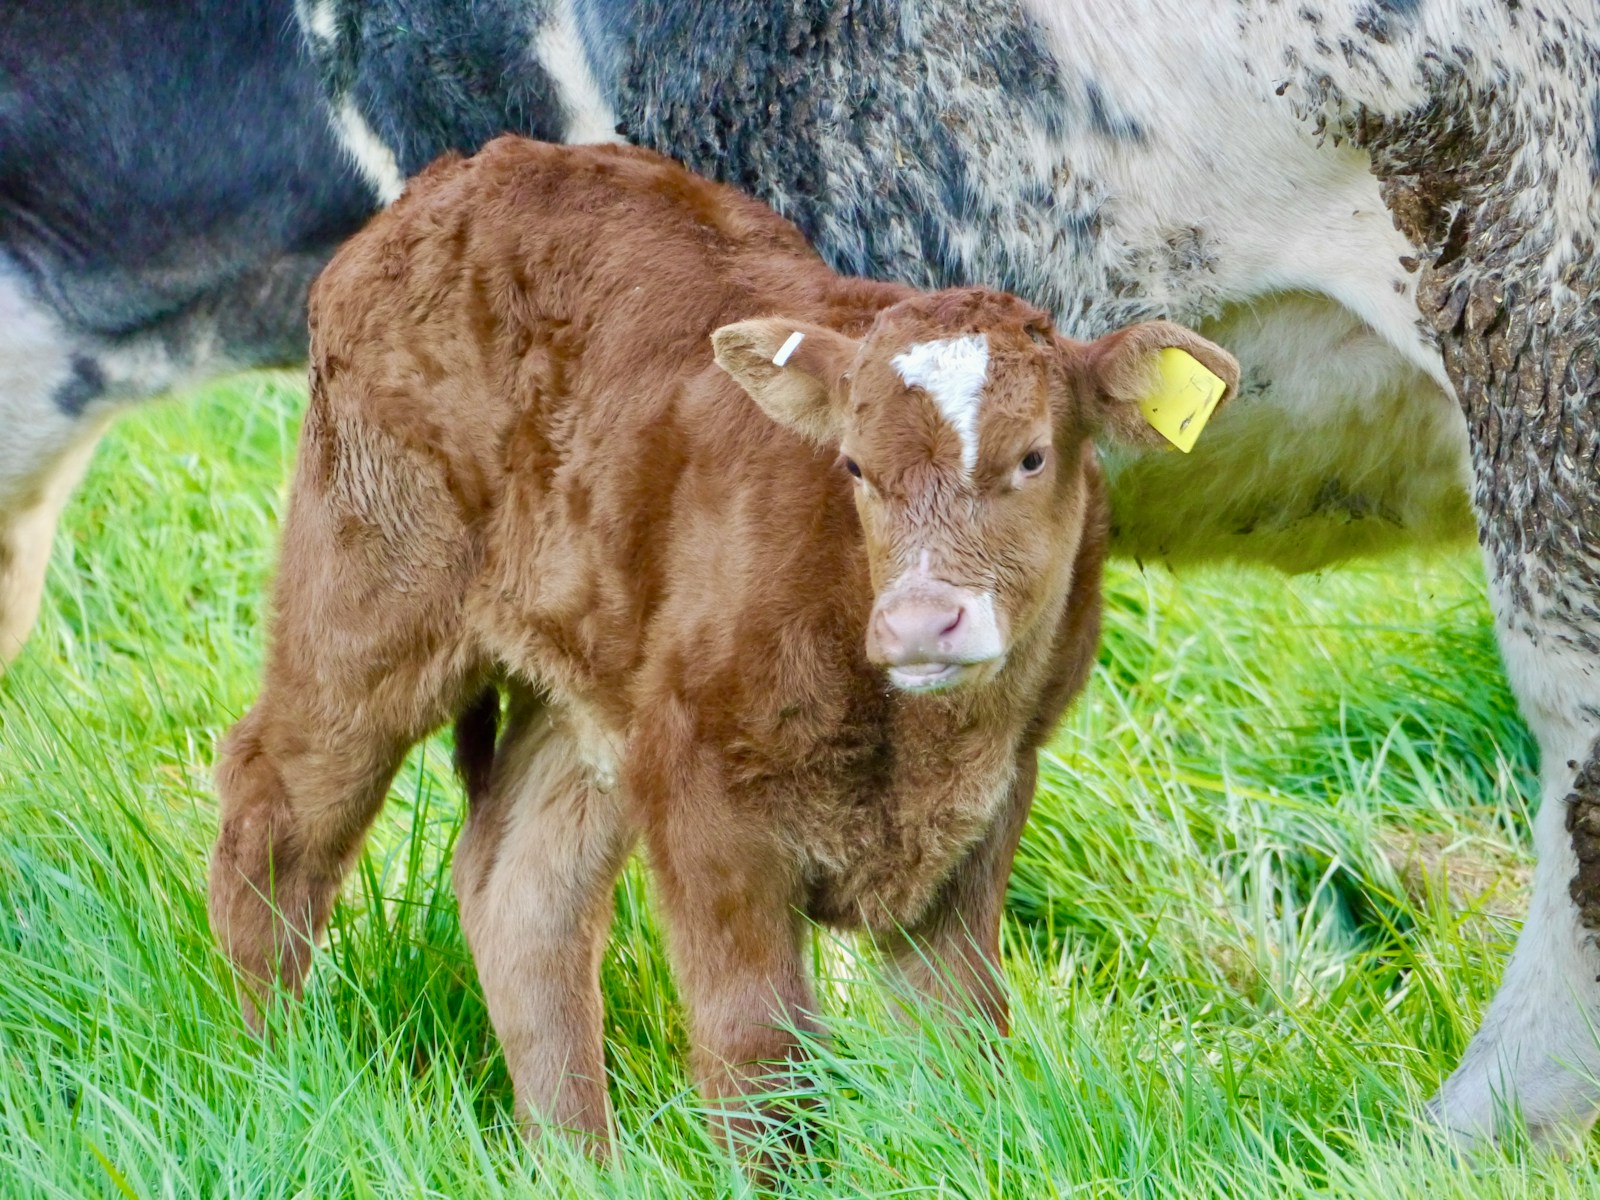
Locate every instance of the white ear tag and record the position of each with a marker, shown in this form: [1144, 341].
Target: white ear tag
[788, 348]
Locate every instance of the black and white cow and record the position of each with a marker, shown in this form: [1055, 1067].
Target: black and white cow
[168, 188]
[1386, 208]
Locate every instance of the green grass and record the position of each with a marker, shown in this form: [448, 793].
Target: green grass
[1269, 886]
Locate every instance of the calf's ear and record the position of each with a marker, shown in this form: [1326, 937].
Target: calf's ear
[792, 369]
[1123, 369]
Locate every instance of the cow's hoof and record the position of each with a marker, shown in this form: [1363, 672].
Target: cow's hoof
[1472, 1121]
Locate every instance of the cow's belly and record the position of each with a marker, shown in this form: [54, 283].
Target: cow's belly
[1335, 448]
[1216, 206]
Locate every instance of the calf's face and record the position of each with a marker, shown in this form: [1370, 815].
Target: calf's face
[967, 426]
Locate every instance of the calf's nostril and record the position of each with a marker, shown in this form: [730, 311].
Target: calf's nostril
[954, 622]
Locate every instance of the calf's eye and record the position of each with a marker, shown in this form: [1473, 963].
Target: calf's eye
[850, 465]
[1032, 462]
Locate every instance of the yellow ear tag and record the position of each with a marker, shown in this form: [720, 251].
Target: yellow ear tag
[1184, 398]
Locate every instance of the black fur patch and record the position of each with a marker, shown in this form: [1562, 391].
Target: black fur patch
[1107, 122]
[824, 110]
[1583, 823]
[1384, 20]
[432, 77]
[1594, 138]
[85, 384]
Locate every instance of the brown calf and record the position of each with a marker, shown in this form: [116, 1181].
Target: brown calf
[805, 647]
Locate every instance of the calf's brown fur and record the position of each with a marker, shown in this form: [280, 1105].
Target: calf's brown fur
[521, 469]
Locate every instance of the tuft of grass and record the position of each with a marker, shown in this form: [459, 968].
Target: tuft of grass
[1261, 903]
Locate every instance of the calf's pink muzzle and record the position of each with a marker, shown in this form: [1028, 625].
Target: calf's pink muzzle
[932, 634]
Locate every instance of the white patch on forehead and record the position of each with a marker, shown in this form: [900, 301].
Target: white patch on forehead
[952, 371]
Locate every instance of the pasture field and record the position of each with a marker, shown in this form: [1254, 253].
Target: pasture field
[1268, 887]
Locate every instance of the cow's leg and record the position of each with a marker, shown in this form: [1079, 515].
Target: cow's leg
[62, 380]
[1538, 1049]
[952, 955]
[534, 872]
[46, 382]
[27, 530]
[358, 669]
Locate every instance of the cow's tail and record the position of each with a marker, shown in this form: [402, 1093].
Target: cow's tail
[477, 726]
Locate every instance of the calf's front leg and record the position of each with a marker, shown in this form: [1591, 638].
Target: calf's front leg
[735, 935]
[952, 954]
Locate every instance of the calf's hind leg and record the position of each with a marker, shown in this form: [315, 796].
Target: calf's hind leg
[366, 658]
[534, 873]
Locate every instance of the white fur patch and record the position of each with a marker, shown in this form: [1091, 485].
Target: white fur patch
[320, 20]
[559, 49]
[43, 453]
[372, 158]
[952, 371]
[983, 617]
[599, 750]
[36, 355]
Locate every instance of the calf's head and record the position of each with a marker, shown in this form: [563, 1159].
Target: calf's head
[967, 425]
